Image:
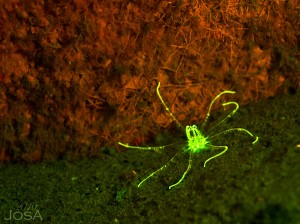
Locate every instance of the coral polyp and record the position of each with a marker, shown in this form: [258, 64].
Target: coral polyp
[196, 140]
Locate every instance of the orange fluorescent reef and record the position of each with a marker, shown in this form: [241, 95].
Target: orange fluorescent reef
[179, 111]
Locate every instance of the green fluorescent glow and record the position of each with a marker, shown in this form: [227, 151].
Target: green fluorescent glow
[196, 141]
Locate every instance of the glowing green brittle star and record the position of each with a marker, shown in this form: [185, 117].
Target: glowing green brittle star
[196, 141]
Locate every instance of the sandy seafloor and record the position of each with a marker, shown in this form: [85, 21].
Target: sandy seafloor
[257, 183]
